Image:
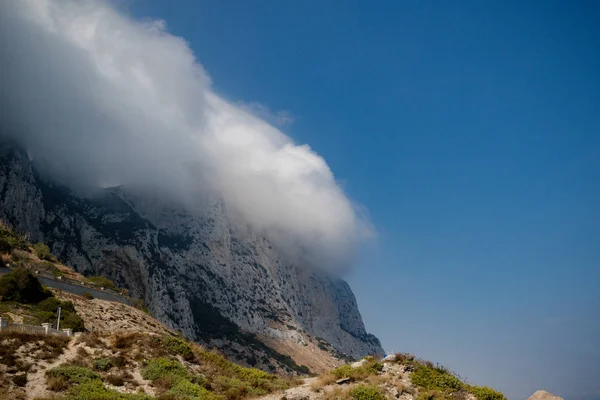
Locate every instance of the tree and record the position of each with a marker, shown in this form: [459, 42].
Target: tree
[21, 286]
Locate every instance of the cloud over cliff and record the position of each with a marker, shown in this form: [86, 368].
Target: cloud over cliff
[99, 98]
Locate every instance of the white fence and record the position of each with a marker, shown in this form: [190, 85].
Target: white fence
[44, 329]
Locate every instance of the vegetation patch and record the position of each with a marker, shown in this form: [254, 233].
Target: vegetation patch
[188, 390]
[102, 281]
[47, 311]
[10, 241]
[435, 378]
[88, 295]
[97, 391]
[362, 392]
[43, 252]
[438, 383]
[177, 346]
[44, 347]
[485, 393]
[21, 286]
[160, 368]
[73, 374]
[102, 364]
[370, 367]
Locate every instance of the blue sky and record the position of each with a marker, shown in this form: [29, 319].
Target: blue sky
[470, 131]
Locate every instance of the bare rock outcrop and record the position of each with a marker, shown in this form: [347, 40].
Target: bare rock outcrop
[543, 395]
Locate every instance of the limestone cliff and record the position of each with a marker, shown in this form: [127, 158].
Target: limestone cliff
[200, 274]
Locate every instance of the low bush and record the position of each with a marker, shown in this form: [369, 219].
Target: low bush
[47, 311]
[97, 391]
[50, 267]
[20, 379]
[185, 389]
[234, 389]
[102, 281]
[88, 295]
[48, 346]
[115, 380]
[402, 358]
[363, 392]
[22, 286]
[164, 367]
[57, 384]
[73, 374]
[91, 339]
[436, 378]
[9, 240]
[177, 346]
[126, 340]
[485, 393]
[431, 395]
[102, 364]
[43, 252]
[371, 367]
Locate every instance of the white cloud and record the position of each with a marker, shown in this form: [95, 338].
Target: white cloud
[280, 118]
[102, 99]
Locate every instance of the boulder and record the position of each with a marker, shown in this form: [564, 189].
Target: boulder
[543, 395]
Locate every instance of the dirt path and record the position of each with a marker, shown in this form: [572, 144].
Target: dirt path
[36, 381]
[301, 392]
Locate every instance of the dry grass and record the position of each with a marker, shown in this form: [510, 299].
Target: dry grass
[322, 381]
[57, 384]
[82, 352]
[115, 380]
[91, 339]
[40, 347]
[121, 376]
[20, 379]
[379, 379]
[337, 393]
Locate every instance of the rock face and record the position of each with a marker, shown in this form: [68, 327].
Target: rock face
[543, 395]
[199, 274]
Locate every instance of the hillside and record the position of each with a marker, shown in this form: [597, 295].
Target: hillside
[134, 365]
[291, 354]
[198, 271]
[121, 352]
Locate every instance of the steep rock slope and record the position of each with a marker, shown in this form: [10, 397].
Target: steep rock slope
[199, 274]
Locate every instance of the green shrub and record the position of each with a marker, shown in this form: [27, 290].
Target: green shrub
[95, 390]
[102, 281]
[10, 240]
[102, 364]
[485, 393]
[43, 252]
[369, 368]
[88, 295]
[433, 395]
[186, 389]
[233, 388]
[73, 374]
[363, 392]
[47, 311]
[235, 381]
[435, 378]
[21, 286]
[178, 346]
[73, 321]
[162, 367]
[50, 304]
[50, 267]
